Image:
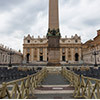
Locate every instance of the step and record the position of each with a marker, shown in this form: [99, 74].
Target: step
[54, 69]
[54, 96]
[54, 89]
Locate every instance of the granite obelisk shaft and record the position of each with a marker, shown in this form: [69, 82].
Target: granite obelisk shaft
[53, 14]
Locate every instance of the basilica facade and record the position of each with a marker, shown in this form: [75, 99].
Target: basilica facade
[36, 49]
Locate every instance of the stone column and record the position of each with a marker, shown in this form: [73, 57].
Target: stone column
[24, 54]
[7, 59]
[32, 55]
[60, 54]
[45, 54]
[72, 53]
[66, 54]
[80, 54]
[38, 56]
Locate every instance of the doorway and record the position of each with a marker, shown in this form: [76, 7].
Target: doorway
[76, 57]
[41, 58]
[63, 58]
[28, 57]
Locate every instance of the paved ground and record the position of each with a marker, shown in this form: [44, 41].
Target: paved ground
[55, 79]
[54, 86]
[54, 96]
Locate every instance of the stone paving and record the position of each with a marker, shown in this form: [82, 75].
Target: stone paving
[55, 79]
[54, 96]
[54, 86]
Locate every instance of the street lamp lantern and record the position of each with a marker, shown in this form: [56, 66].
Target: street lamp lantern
[10, 54]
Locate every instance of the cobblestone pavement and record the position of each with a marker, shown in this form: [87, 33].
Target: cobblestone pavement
[54, 86]
[55, 79]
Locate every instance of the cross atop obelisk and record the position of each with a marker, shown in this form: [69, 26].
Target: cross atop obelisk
[53, 18]
[53, 15]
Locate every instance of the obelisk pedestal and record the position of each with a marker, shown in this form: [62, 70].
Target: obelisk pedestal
[53, 51]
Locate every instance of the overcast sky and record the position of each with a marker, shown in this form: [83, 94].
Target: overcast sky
[18, 18]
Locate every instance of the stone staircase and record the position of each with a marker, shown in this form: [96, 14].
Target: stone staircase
[54, 86]
[54, 89]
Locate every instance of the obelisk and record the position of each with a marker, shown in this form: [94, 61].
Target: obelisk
[53, 14]
[53, 34]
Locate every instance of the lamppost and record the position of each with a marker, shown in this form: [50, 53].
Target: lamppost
[95, 56]
[95, 53]
[10, 62]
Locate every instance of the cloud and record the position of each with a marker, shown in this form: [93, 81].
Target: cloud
[81, 17]
[19, 18]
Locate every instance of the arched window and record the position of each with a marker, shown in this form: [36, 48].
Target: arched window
[28, 41]
[76, 41]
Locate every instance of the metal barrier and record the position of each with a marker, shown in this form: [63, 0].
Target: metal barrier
[22, 88]
[85, 87]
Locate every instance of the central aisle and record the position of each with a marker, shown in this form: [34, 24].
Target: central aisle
[54, 86]
[55, 79]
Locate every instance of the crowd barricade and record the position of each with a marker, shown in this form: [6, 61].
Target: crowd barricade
[84, 87]
[22, 88]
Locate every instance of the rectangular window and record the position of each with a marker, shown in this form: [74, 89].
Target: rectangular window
[63, 50]
[41, 50]
[28, 50]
